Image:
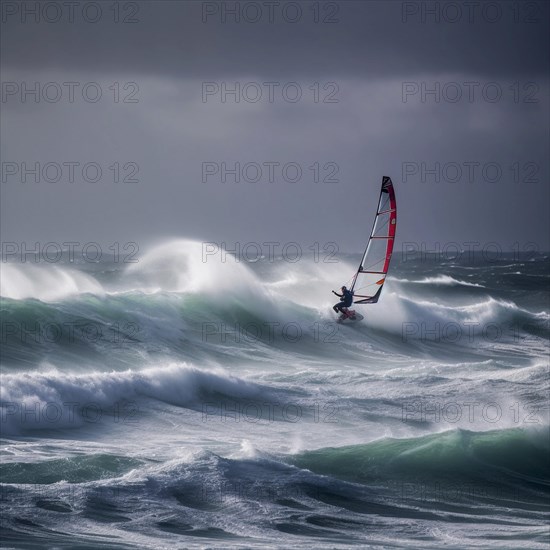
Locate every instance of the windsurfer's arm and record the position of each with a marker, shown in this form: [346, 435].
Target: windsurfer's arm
[339, 295]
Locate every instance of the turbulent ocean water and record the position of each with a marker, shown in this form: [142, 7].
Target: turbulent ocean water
[186, 401]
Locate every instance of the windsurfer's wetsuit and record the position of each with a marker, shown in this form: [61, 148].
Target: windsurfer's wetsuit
[346, 299]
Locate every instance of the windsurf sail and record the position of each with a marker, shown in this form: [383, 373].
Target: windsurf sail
[371, 275]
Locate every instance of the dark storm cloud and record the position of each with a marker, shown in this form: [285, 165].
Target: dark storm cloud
[170, 133]
[372, 130]
[366, 39]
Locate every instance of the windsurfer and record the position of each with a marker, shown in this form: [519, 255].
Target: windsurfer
[346, 299]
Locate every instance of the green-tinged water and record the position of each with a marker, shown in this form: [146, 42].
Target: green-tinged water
[162, 406]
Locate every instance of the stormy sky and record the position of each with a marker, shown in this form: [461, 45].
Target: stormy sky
[136, 115]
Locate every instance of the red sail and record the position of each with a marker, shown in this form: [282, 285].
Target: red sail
[371, 275]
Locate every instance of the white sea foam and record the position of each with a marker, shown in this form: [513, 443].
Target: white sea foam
[48, 283]
[52, 399]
